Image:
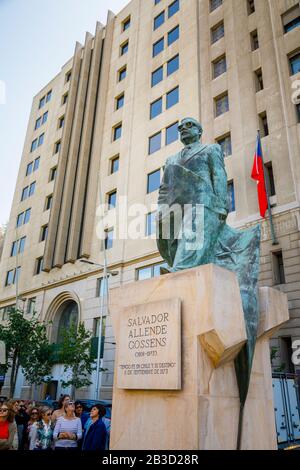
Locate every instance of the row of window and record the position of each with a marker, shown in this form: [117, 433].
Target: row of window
[171, 98]
[41, 120]
[160, 19]
[37, 142]
[45, 99]
[33, 166]
[158, 75]
[28, 191]
[159, 45]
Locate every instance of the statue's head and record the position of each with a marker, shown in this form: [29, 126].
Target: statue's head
[190, 131]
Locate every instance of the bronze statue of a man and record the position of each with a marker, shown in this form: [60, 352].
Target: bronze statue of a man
[193, 201]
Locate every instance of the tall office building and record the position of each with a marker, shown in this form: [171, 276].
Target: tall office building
[102, 129]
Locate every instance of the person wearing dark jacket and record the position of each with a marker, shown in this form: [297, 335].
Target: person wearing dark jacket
[95, 435]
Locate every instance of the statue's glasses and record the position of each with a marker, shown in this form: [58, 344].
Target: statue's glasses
[187, 125]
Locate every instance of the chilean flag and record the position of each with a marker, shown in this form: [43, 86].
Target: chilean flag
[258, 175]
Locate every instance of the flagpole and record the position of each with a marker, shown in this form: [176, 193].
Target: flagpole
[267, 185]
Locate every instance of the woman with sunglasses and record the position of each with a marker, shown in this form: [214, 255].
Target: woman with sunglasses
[41, 432]
[33, 418]
[8, 427]
[68, 429]
[61, 408]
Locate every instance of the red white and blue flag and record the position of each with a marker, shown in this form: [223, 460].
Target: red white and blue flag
[258, 175]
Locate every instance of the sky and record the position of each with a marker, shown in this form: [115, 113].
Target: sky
[37, 37]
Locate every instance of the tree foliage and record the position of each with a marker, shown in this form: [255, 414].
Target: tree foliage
[75, 354]
[27, 347]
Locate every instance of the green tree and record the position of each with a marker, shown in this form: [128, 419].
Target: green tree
[26, 347]
[75, 354]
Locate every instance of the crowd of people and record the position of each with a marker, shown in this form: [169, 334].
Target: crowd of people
[24, 426]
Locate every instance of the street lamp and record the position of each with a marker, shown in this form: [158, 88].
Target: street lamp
[106, 273]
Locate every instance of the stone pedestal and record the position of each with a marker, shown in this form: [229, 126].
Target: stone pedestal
[191, 400]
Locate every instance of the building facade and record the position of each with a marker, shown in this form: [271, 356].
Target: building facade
[101, 130]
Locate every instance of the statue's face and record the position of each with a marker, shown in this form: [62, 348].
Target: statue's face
[189, 132]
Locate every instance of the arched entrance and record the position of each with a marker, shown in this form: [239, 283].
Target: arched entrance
[63, 312]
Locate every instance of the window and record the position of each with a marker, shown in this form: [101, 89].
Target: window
[68, 76]
[96, 325]
[45, 117]
[24, 193]
[101, 287]
[124, 48]
[295, 63]
[48, 96]
[230, 196]
[41, 139]
[120, 101]
[12, 276]
[172, 97]
[38, 123]
[221, 105]
[36, 164]
[126, 24]
[154, 143]
[298, 111]
[61, 122]
[14, 248]
[20, 219]
[42, 102]
[64, 98]
[286, 353]
[254, 40]
[153, 181]
[112, 199]
[259, 83]
[38, 265]
[250, 7]
[173, 65]
[225, 143]
[33, 145]
[44, 233]
[270, 179]
[172, 133]
[22, 242]
[31, 306]
[173, 35]
[29, 168]
[219, 66]
[263, 124]
[114, 165]
[158, 47]
[57, 146]
[157, 76]
[173, 8]
[31, 189]
[278, 268]
[53, 172]
[48, 203]
[214, 4]
[27, 216]
[150, 224]
[122, 73]
[155, 108]
[217, 32]
[148, 272]
[117, 132]
[109, 235]
[159, 20]
[291, 19]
